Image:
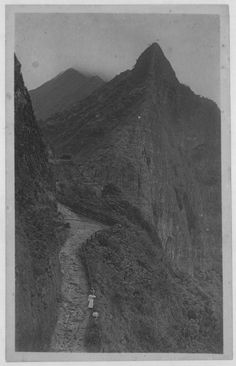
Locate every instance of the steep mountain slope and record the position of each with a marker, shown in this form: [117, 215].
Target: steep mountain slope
[159, 143]
[145, 153]
[62, 92]
[38, 232]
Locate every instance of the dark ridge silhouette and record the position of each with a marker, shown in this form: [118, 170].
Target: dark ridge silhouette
[38, 231]
[62, 92]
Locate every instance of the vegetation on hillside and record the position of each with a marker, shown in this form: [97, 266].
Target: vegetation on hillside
[144, 305]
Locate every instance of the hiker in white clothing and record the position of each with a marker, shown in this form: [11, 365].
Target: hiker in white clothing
[91, 298]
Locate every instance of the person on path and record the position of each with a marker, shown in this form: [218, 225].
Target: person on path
[91, 298]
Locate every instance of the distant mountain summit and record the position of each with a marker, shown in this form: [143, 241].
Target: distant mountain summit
[61, 92]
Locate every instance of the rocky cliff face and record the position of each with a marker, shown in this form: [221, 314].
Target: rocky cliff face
[145, 152]
[38, 230]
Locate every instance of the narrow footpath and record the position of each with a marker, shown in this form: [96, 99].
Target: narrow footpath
[73, 312]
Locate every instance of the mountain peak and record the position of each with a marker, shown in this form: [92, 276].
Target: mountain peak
[70, 73]
[61, 92]
[153, 62]
[154, 48]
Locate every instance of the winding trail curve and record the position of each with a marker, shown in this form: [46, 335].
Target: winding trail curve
[73, 314]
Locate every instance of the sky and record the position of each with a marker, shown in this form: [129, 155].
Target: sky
[107, 44]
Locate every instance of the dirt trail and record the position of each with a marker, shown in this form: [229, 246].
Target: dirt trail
[73, 313]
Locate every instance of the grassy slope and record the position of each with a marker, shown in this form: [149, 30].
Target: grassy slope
[143, 307]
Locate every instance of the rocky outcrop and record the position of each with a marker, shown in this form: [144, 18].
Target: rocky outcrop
[38, 231]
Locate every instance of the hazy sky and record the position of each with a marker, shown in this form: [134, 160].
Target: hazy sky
[107, 44]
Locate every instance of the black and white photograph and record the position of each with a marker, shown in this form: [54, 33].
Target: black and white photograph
[120, 185]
